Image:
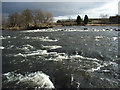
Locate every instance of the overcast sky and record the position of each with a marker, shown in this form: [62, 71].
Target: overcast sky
[64, 10]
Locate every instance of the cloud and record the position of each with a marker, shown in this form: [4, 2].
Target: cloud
[56, 0]
[60, 18]
[65, 10]
[110, 8]
[58, 9]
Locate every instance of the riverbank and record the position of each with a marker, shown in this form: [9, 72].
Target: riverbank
[44, 26]
[55, 25]
[103, 25]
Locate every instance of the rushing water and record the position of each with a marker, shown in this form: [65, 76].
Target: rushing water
[61, 57]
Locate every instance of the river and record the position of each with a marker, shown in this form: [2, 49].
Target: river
[61, 57]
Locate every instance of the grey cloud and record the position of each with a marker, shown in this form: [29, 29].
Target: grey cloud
[57, 8]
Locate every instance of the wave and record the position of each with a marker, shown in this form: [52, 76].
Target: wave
[54, 56]
[41, 30]
[1, 37]
[47, 39]
[67, 29]
[7, 37]
[32, 53]
[93, 81]
[26, 47]
[86, 63]
[1, 47]
[10, 46]
[51, 47]
[115, 38]
[98, 37]
[35, 80]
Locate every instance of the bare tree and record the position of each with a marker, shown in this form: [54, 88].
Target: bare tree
[38, 16]
[42, 17]
[12, 20]
[27, 17]
[48, 17]
[15, 20]
[3, 20]
[20, 20]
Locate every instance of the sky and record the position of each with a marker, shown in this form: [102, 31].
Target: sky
[64, 10]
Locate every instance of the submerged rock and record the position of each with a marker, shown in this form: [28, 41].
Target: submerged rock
[85, 28]
[33, 80]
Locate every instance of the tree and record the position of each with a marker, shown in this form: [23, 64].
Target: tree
[3, 20]
[86, 19]
[38, 16]
[48, 17]
[27, 17]
[20, 20]
[58, 21]
[15, 19]
[12, 20]
[79, 20]
[42, 17]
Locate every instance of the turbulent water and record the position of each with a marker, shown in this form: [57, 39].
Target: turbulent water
[61, 57]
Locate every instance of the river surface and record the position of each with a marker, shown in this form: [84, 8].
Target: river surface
[61, 57]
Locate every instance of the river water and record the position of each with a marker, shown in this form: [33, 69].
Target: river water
[61, 57]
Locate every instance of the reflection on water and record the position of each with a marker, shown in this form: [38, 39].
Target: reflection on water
[67, 57]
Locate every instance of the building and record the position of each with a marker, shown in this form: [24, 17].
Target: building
[114, 19]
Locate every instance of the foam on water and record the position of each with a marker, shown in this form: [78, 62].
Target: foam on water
[81, 57]
[47, 39]
[51, 47]
[66, 30]
[1, 37]
[26, 47]
[11, 46]
[34, 30]
[41, 30]
[43, 56]
[7, 37]
[32, 53]
[1, 47]
[57, 56]
[98, 37]
[115, 38]
[36, 79]
[91, 64]
[96, 64]
[104, 64]
[74, 82]
[93, 81]
[54, 56]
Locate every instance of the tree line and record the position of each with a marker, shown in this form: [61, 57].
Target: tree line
[79, 20]
[27, 18]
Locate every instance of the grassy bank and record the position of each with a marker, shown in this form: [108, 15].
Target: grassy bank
[46, 26]
[32, 27]
[103, 25]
